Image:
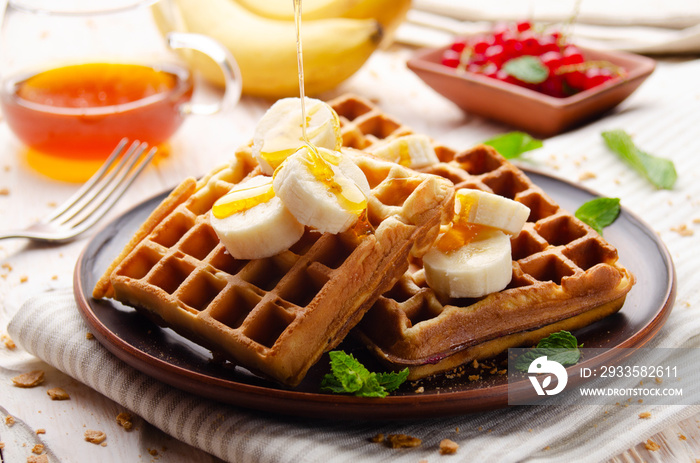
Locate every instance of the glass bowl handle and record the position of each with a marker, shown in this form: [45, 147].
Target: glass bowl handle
[223, 58]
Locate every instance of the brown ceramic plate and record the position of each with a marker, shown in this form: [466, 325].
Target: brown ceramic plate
[523, 108]
[164, 355]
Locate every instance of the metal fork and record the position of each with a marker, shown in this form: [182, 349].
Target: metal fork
[93, 200]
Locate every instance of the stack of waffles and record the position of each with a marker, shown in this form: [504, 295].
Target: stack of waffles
[276, 316]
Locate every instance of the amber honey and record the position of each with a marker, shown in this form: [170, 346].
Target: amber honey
[80, 112]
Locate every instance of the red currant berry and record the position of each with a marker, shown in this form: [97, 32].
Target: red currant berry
[523, 26]
[494, 54]
[551, 59]
[575, 80]
[480, 46]
[572, 55]
[459, 45]
[450, 58]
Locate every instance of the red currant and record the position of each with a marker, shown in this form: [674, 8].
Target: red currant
[523, 26]
[459, 45]
[450, 58]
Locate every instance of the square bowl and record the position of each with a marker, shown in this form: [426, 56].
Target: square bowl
[536, 113]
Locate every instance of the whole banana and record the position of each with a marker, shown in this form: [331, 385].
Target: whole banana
[265, 49]
[389, 13]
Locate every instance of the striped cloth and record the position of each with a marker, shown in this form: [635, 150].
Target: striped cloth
[50, 327]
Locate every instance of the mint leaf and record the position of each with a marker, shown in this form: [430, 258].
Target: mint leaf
[392, 380]
[599, 212]
[372, 388]
[512, 144]
[561, 347]
[659, 171]
[349, 373]
[349, 376]
[527, 68]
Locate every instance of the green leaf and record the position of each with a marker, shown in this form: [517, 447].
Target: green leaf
[392, 380]
[350, 373]
[349, 376]
[561, 346]
[527, 68]
[659, 171]
[599, 212]
[512, 144]
[559, 340]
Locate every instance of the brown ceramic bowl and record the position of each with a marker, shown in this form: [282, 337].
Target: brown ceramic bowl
[526, 109]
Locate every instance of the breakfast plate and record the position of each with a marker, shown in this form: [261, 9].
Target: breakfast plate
[165, 355]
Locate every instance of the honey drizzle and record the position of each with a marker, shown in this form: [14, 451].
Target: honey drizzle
[318, 162]
[460, 231]
[225, 206]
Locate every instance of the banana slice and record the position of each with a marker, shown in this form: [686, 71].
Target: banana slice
[481, 267]
[322, 188]
[483, 208]
[413, 151]
[279, 132]
[252, 223]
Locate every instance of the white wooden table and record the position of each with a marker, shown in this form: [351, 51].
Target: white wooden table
[202, 143]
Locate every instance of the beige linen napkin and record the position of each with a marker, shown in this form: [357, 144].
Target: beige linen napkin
[646, 26]
[50, 327]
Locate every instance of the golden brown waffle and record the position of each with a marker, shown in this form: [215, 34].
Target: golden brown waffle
[275, 316]
[565, 275]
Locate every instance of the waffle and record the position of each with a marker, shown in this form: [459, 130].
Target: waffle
[274, 316]
[565, 275]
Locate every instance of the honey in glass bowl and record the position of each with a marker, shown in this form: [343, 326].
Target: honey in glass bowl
[81, 111]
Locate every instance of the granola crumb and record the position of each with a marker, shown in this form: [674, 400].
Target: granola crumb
[586, 176]
[38, 449]
[95, 437]
[89, 335]
[658, 380]
[474, 377]
[682, 437]
[9, 420]
[651, 445]
[153, 452]
[58, 393]
[43, 458]
[4, 191]
[41, 431]
[683, 230]
[124, 420]
[8, 342]
[546, 448]
[448, 447]
[377, 438]
[396, 441]
[645, 415]
[420, 390]
[23, 279]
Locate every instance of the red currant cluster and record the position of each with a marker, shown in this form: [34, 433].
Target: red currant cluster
[542, 61]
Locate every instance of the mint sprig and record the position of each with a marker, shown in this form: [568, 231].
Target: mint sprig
[512, 144]
[528, 69]
[659, 171]
[599, 212]
[349, 376]
[561, 347]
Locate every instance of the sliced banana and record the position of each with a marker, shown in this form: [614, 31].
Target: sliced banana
[480, 267]
[483, 208]
[253, 223]
[322, 188]
[279, 132]
[413, 151]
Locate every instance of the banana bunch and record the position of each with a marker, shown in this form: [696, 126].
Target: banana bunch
[338, 36]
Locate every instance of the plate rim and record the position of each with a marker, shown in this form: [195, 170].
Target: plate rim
[314, 405]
